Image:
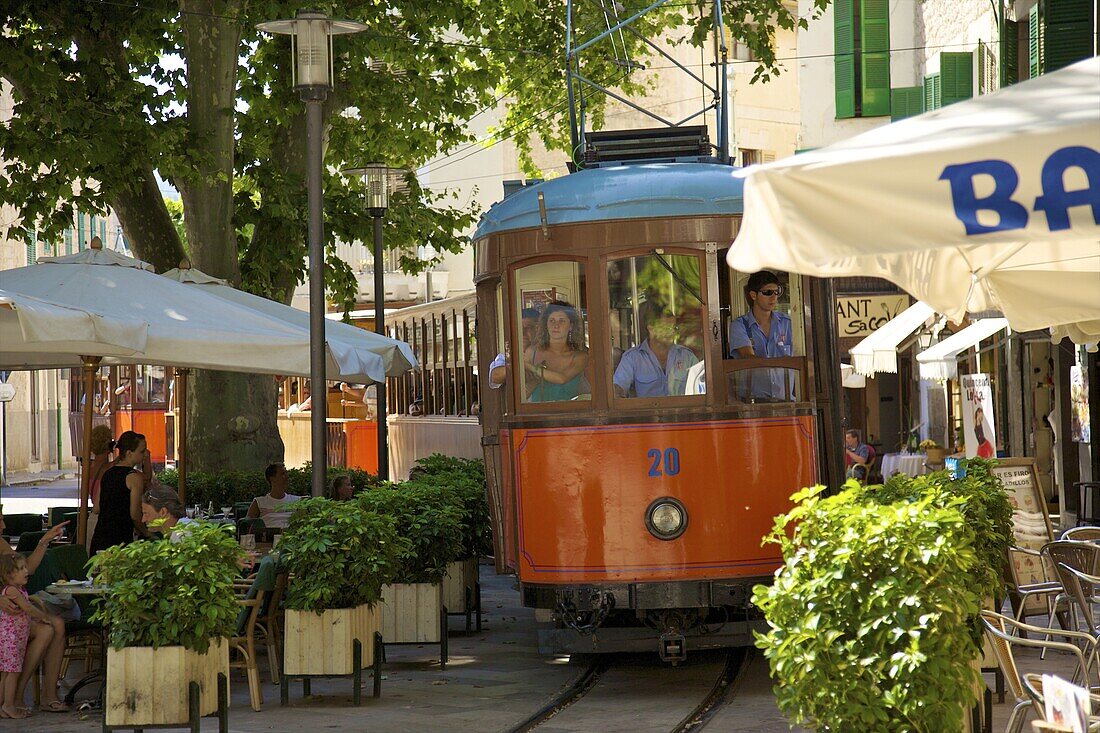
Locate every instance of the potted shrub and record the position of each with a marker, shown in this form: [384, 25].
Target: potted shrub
[873, 617]
[413, 610]
[464, 481]
[339, 555]
[935, 452]
[168, 612]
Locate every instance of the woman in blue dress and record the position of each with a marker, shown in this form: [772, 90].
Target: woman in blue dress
[555, 363]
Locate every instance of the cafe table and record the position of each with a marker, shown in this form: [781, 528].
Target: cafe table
[911, 464]
[85, 589]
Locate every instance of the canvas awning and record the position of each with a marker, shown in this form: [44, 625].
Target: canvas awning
[879, 351]
[940, 360]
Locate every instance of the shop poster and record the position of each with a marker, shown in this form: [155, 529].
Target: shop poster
[979, 431]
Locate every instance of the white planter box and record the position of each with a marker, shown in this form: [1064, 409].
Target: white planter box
[147, 686]
[412, 613]
[322, 643]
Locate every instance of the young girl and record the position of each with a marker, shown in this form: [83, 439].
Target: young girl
[14, 630]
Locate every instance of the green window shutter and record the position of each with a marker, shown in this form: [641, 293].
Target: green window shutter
[32, 247]
[844, 58]
[69, 241]
[1010, 53]
[80, 231]
[874, 58]
[957, 76]
[1035, 41]
[932, 95]
[906, 102]
[103, 231]
[1067, 32]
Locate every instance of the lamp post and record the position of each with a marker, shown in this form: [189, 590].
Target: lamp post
[379, 179]
[311, 35]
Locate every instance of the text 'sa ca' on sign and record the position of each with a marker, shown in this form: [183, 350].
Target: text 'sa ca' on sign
[862, 315]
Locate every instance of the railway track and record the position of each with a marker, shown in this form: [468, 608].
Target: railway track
[570, 701]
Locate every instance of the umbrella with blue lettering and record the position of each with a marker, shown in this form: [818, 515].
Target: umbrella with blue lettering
[990, 204]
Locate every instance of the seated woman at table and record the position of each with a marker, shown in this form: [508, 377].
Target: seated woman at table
[163, 512]
[119, 506]
[55, 646]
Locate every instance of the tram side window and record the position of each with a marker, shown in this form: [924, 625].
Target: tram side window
[550, 316]
[656, 325]
[765, 323]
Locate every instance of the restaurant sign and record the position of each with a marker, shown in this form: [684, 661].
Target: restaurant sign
[862, 315]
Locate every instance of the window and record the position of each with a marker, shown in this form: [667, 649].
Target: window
[749, 157]
[32, 247]
[764, 323]
[953, 83]
[861, 36]
[987, 68]
[1060, 32]
[655, 321]
[553, 361]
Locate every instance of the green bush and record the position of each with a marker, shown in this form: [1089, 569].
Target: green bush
[301, 479]
[464, 480]
[176, 592]
[871, 615]
[340, 554]
[429, 519]
[223, 488]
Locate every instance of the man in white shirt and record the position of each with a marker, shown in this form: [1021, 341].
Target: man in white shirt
[274, 506]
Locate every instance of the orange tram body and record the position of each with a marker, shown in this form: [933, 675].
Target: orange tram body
[630, 499]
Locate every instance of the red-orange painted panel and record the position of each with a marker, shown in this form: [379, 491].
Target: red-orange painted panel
[362, 437]
[149, 423]
[582, 494]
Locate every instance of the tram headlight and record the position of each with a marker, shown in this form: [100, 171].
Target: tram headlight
[666, 518]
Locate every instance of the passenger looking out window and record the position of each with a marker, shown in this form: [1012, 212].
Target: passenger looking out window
[656, 325]
[498, 369]
[657, 367]
[763, 332]
[556, 361]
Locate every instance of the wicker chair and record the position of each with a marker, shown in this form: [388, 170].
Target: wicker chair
[252, 597]
[1082, 534]
[1072, 561]
[1033, 683]
[1004, 634]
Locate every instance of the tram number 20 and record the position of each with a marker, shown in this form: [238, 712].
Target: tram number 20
[663, 464]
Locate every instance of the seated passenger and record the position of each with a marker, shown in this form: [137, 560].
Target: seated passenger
[657, 367]
[556, 361]
[498, 369]
[763, 332]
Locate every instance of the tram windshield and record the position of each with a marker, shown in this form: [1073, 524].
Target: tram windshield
[550, 317]
[765, 322]
[656, 326]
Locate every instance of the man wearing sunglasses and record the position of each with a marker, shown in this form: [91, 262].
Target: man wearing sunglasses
[763, 332]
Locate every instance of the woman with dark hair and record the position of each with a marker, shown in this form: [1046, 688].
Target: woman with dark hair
[119, 506]
[556, 361]
[985, 448]
[340, 489]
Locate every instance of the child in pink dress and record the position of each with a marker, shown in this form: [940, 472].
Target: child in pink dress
[14, 631]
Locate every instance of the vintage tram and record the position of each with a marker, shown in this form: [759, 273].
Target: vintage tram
[630, 502]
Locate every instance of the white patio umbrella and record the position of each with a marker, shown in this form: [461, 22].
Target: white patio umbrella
[353, 353]
[185, 326]
[29, 325]
[991, 204]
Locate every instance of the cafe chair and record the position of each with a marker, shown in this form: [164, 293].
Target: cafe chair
[1006, 635]
[28, 541]
[1082, 534]
[1030, 578]
[1073, 563]
[1033, 684]
[251, 597]
[20, 524]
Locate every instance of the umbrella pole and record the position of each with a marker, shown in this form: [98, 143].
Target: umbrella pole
[91, 364]
[181, 433]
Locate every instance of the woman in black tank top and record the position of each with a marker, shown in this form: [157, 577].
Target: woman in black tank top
[120, 490]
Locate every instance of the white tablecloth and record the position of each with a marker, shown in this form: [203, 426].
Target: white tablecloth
[911, 464]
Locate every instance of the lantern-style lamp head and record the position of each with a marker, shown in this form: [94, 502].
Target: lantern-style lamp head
[924, 338]
[311, 35]
[380, 180]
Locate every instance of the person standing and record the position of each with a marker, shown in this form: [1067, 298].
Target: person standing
[120, 491]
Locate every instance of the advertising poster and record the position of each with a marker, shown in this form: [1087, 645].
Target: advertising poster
[979, 431]
[1080, 428]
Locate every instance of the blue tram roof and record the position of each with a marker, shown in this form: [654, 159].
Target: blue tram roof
[643, 191]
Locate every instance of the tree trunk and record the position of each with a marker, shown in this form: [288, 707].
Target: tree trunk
[146, 222]
[232, 416]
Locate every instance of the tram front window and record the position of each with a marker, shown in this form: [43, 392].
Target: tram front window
[549, 317]
[769, 326]
[656, 325]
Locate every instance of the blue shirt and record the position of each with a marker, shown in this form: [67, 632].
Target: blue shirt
[639, 368]
[774, 384]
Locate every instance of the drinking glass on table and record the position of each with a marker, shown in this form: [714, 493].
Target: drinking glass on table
[226, 510]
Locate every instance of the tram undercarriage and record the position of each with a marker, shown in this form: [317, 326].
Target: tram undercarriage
[635, 617]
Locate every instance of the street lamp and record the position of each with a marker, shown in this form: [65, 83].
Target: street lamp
[925, 337]
[379, 179]
[311, 35]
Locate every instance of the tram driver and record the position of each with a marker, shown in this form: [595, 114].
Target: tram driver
[657, 367]
[763, 332]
